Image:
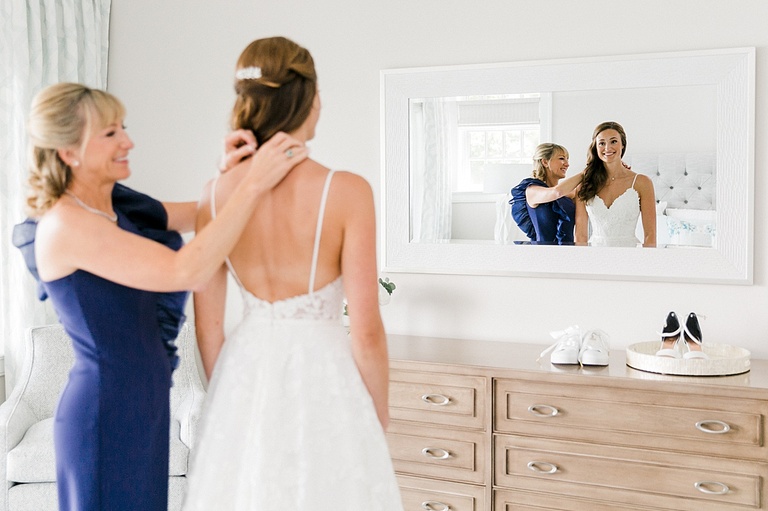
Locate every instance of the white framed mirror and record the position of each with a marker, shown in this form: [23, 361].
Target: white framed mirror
[693, 106]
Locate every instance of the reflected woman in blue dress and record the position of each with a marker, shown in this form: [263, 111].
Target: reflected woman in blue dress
[542, 205]
[107, 276]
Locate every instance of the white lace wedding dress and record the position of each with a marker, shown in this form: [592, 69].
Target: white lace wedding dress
[289, 423]
[615, 226]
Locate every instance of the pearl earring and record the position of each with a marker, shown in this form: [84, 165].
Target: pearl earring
[75, 163]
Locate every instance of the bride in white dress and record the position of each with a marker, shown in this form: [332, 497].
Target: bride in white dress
[296, 408]
[612, 197]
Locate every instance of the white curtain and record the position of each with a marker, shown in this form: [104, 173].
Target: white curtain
[434, 143]
[42, 42]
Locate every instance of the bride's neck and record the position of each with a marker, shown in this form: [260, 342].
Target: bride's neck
[614, 170]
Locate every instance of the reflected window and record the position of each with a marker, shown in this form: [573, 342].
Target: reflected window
[483, 146]
[463, 153]
[497, 129]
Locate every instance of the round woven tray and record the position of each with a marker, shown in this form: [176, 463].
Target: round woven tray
[723, 360]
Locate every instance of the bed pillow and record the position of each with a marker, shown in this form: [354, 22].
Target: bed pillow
[691, 227]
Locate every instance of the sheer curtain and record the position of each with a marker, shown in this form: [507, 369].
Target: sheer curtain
[41, 42]
[434, 140]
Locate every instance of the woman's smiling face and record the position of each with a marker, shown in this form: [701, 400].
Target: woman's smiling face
[608, 145]
[557, 166]
[107, 151]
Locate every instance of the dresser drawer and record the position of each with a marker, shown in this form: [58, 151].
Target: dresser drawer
[515, 500]
[440, 453]
[431, 495]
[662, 419]
[628, 476]
[434, 398]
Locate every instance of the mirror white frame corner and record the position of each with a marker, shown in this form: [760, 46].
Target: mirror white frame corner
[731, 71]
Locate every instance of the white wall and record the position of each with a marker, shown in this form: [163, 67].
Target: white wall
[171, 62]
[689, 119]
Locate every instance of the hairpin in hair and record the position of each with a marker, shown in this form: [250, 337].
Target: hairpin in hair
[248, 73]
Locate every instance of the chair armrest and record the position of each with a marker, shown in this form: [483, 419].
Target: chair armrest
[16, 414]
[188, 392]
[188, 415]
[16, 417]
[47, 360]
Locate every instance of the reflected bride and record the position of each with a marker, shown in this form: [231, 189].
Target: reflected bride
[612, 196]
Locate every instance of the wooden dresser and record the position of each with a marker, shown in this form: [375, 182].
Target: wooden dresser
[480, 426]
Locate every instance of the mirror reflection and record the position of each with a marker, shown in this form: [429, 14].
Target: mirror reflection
[467, 153]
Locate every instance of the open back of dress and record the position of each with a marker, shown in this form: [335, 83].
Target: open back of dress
[289, 421]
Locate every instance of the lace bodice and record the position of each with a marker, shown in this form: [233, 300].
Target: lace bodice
[324, 304]
[614, 226]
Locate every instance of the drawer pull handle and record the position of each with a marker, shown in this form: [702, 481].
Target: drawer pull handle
[543, 410]
[719, 428]
[432, 505]
[436, 399]
[436, 453]
[540, 467]
[706, 487]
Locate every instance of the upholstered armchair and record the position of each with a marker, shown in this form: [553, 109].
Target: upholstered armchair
[26, 420]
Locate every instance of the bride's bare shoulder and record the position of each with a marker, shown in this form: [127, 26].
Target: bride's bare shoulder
[352, 191]
[350, 179]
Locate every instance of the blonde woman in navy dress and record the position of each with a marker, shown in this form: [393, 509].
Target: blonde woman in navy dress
[542, 205]
[296, 409]
[104, 279]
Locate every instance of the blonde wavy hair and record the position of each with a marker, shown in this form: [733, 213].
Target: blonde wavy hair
[545, 151]
[62, 116]
[278, 89]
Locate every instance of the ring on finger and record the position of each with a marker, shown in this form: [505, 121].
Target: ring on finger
[289, 153]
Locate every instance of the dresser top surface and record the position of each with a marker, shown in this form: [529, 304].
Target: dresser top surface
[503, 356]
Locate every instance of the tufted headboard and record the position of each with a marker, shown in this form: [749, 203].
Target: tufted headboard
[682, 180]
[684, 184]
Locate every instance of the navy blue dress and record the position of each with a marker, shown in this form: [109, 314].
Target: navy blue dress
[112, 422]
[549, 223]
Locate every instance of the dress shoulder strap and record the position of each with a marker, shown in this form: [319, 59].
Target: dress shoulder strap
[633, 181]
[318, 232]
[213, 216]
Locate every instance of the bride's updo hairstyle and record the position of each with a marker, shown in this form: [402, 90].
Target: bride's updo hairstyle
[275, 84]
[595, 175]
[62, 116]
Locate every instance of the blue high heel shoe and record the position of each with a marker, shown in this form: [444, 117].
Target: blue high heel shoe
[670, 335]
